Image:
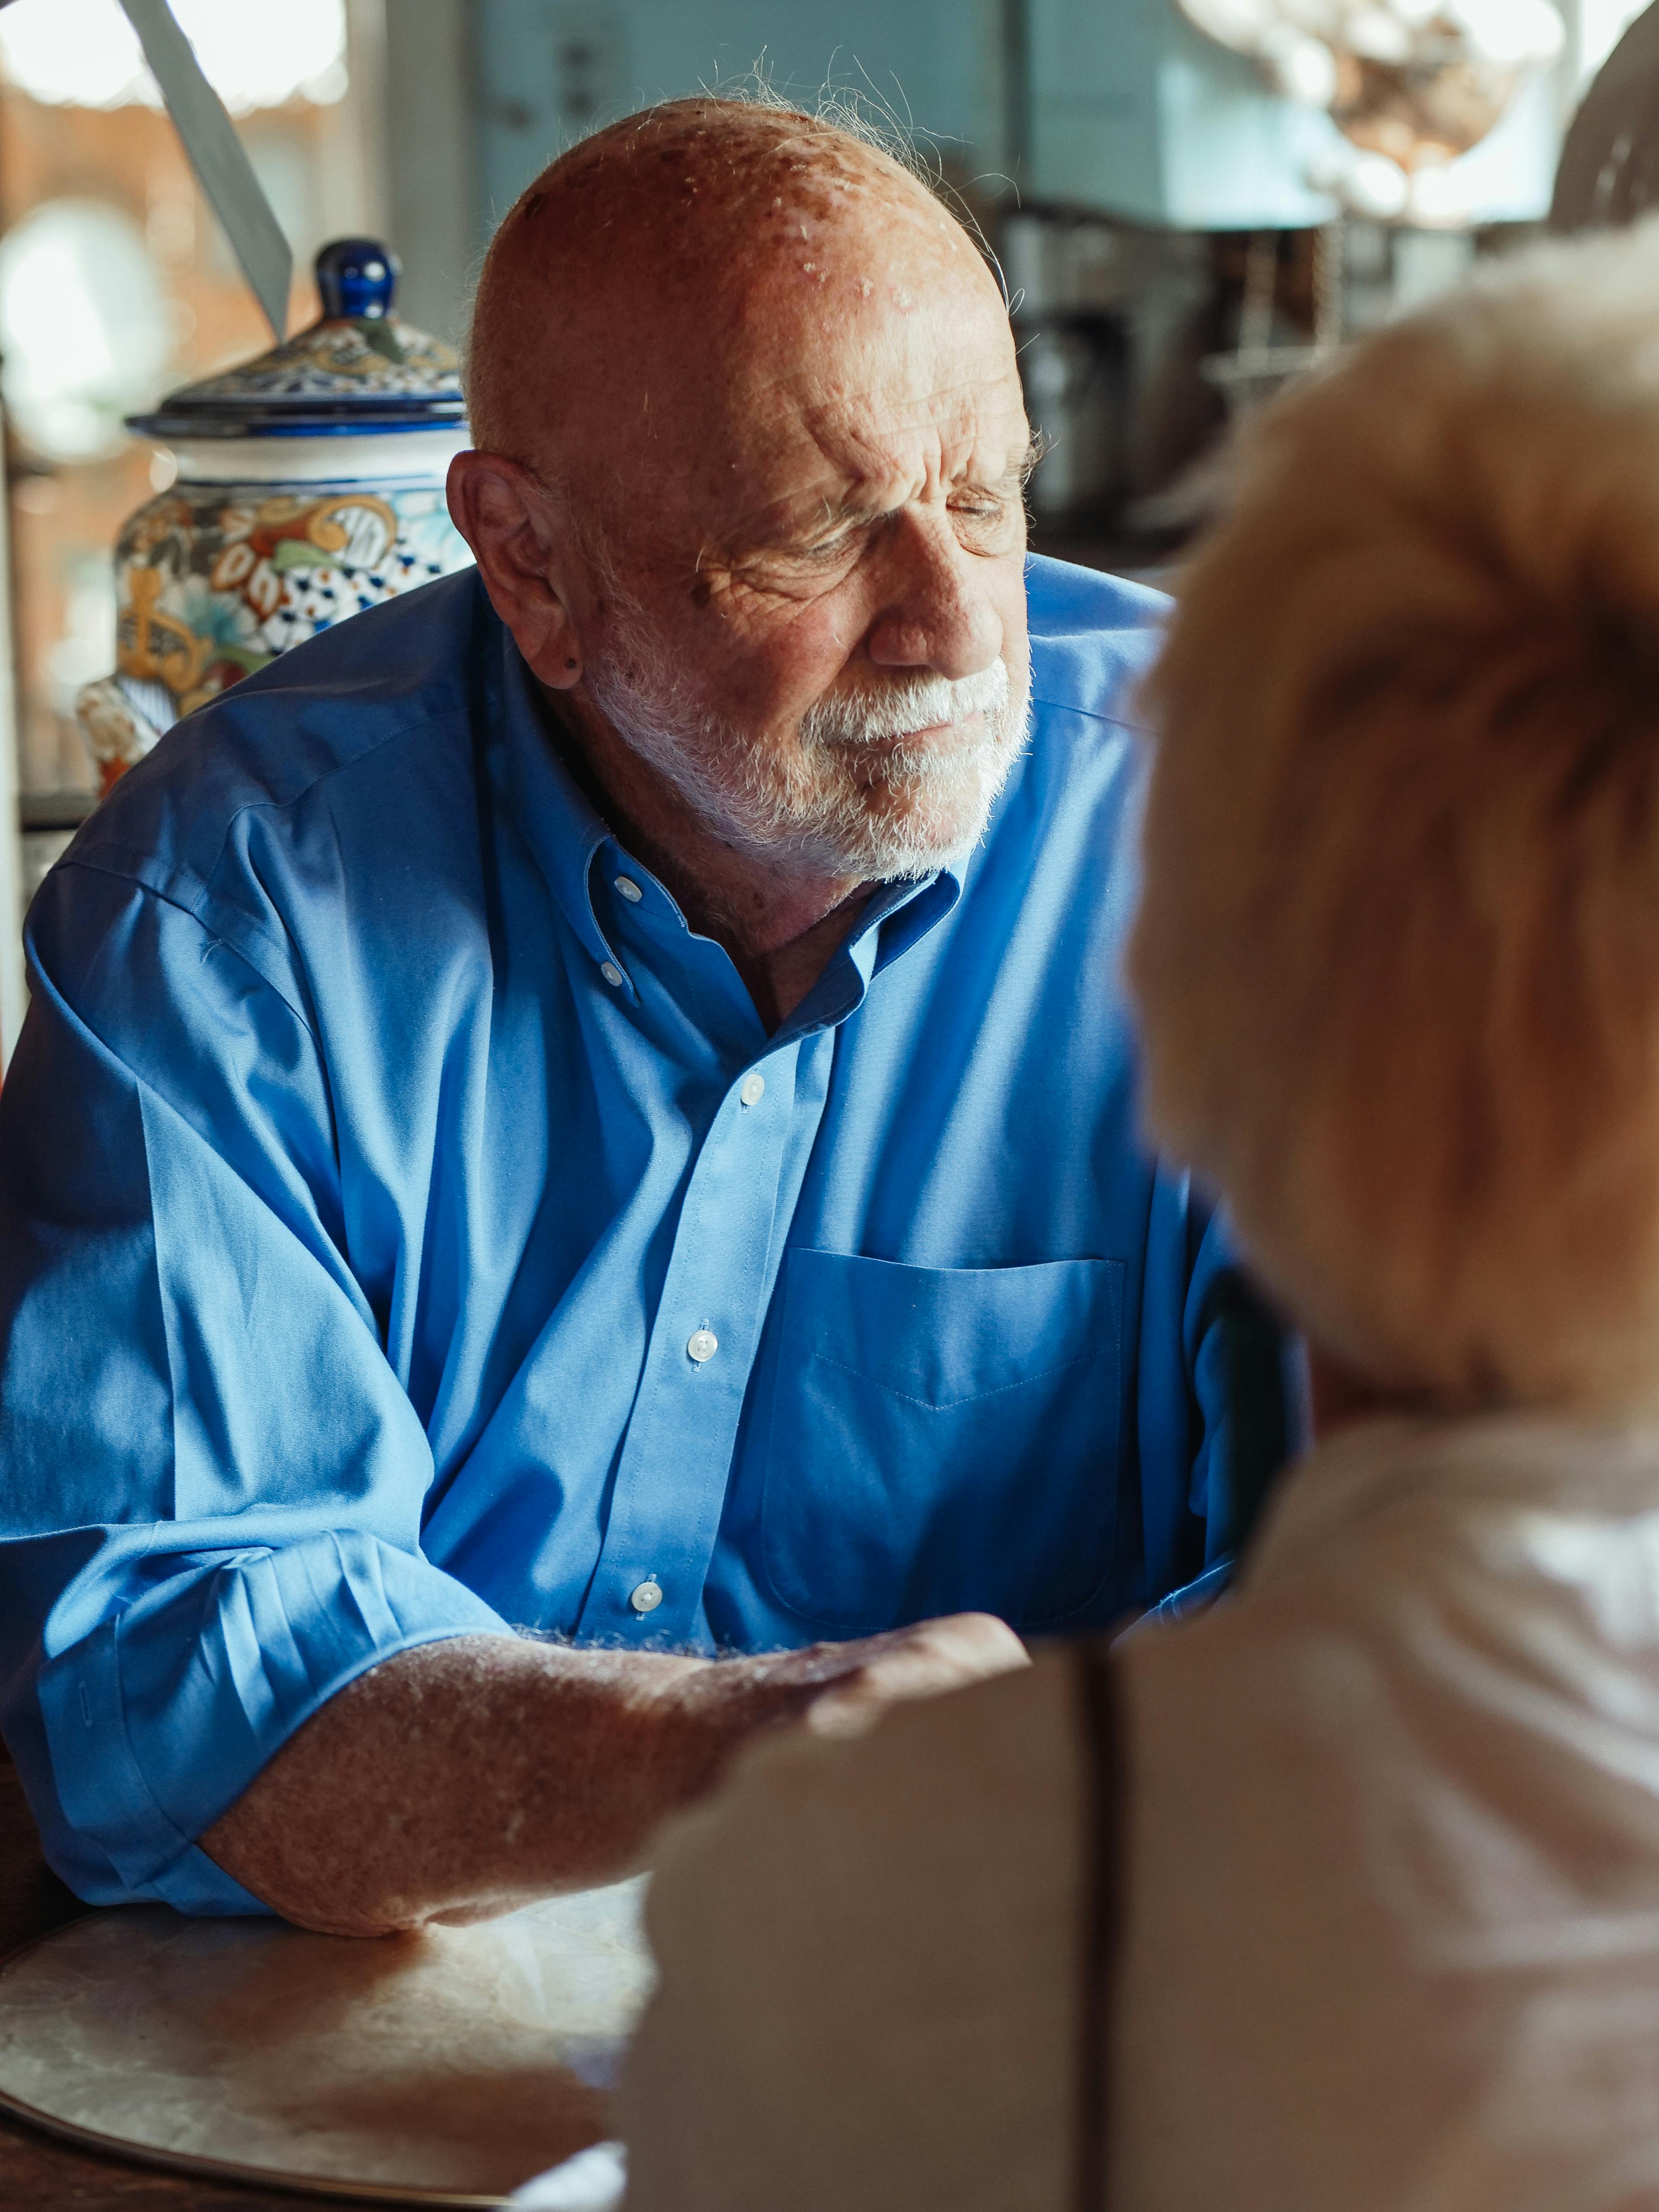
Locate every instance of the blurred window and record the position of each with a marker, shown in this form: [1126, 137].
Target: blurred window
[85, 335]
[117, 284]
[84, 53]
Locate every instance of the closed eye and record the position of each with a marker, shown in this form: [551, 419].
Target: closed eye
[827, 548]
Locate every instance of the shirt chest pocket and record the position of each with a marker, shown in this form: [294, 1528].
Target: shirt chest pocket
[943, 1440]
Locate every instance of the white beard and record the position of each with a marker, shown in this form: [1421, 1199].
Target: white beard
[839, 797]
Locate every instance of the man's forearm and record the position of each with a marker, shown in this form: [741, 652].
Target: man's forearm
[467, 1777]
[463, 1778]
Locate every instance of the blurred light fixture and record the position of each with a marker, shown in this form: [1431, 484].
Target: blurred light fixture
[1410, 84]
[255, 54]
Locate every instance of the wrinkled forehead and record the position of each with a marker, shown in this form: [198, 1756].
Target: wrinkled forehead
[856, 366]
[764, 304]
[857, 333]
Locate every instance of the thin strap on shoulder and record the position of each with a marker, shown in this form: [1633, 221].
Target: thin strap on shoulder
[1105, 1785]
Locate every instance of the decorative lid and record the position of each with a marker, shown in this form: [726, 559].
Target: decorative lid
[356, 369]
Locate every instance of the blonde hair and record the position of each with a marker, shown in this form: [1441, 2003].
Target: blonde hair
[1398, 953]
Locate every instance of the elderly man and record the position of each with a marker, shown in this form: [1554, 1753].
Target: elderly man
[590, 1100]
[1365, 1862]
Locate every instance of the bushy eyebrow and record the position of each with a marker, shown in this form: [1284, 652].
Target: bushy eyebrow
[836, 514]
[1040, 443]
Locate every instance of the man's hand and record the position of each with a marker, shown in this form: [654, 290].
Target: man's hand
[463, 1778]
[841, 1689]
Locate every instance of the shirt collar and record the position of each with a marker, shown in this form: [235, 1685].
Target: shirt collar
[562, 828]
[567, 836]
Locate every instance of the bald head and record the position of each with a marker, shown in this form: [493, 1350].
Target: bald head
[697, 238]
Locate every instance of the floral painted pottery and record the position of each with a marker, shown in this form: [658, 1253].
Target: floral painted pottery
[310, 486]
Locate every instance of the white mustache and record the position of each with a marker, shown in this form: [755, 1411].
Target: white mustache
[904, 708]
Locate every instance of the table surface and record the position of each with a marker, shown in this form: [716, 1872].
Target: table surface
[38, 2174]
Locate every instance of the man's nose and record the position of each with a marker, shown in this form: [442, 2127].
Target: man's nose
[939, 613]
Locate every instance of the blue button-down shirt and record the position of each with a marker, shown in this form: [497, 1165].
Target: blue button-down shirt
[380, 1140]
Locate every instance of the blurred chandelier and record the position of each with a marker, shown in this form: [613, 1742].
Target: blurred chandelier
[1410, 84]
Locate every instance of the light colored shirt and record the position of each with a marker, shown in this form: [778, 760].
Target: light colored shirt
[408, 1227]
[1391, 1890]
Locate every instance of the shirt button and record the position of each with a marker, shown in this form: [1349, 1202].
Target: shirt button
[630, 889]
[611, 974]
[703, 1344]
[754, 1089]
[646, 1597]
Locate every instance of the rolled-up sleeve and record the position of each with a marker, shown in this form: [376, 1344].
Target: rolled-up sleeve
[211, 1480]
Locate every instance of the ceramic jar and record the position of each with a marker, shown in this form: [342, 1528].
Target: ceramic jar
[310, 485]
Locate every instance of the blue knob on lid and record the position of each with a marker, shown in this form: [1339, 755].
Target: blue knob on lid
[356, 278]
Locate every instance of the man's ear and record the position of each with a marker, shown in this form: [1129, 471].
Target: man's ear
[505, 512]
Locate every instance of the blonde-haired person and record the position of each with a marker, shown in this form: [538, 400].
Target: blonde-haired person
[1345, 1896]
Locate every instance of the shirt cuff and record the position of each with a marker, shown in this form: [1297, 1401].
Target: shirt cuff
[160, 1720]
